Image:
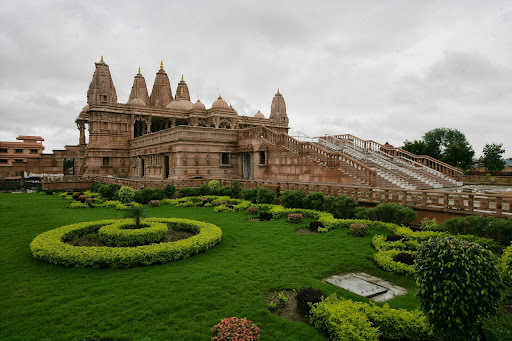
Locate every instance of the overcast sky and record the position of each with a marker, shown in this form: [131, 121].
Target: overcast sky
[381, 70]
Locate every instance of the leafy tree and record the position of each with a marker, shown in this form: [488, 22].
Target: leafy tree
[460, 285]
[445, 144]
[492, 157]
[169, 190]
[126, 194]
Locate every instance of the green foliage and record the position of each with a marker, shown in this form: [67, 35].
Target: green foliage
[135, 212]
[348, 320]
[126, 194]
[344, 207]
[492, 158]
[50, 246]
[236, 189]
[265, 196]
[249, 194]
[306, 297]
[460, 285]
[498, 229]
[95, 187]
[203, 190]
[282, 298]
[314, 201]
[213, 186]
[169, 191]
[78, 204]
[223, 208]
[234, 328]
[386, 260]
[444, 144]
[295, 218]
[429, 224]
[108, 191]
[188, 192]
[292, 199]
[122, 233]
[158, 194]
[225, 191]
[507, 261]
[390, 212]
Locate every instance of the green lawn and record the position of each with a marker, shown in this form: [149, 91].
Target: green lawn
[175, 301]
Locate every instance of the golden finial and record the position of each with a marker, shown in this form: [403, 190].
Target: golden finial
[278, 90]
[181, 77]
[161, 65]
[139, 69]
[102, 59]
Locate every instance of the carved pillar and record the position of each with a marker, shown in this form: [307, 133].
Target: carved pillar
[148, 123]
[81, 126]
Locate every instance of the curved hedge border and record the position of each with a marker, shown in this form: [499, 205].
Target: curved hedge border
[123, 233]
[386, 260]
[51, 247]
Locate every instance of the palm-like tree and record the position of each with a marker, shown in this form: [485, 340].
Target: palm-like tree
[136, 212]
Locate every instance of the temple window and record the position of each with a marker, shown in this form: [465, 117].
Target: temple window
[18, 160]
[18, 150]
[262, 157]
[3, 150]
[106, 161]
[225, 158]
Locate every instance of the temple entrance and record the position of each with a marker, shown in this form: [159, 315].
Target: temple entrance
[246, 166]
[166, 163]
[68, 166]
[139, 128]
[142, 167]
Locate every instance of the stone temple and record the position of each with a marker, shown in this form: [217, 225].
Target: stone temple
[161, 136]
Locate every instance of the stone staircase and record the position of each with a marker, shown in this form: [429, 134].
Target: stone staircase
[393, 169]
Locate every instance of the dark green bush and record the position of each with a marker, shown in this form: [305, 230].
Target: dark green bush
[315, 225]
[344, 207]
[226, 191]
[314, 201]
[460, 285]
[108, 191]
[236, 188]
[169, 191]
[204, 190]
[292, 199]
[265, 196]
[158, 194]
[405, 257]
[498, 229]
[249, 194]
[95, 187]
[145, 195]
[307, 296]
[390, 212]
[188, 192]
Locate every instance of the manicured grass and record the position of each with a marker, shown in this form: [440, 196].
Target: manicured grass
[175, 301]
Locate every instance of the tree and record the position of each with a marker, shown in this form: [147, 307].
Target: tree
[136, 211]
[492, 157]
[445, 144]
[460, 285]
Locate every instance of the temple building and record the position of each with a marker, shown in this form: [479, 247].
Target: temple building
[161, 136]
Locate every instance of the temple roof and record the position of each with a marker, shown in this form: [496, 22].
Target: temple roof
[161, 95]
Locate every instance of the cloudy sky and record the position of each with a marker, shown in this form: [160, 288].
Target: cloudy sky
[381, 70]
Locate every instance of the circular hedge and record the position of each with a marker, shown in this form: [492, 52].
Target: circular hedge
[124, 233]
[51, 246]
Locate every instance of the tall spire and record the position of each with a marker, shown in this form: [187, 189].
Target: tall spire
[161, 95]
[139, 89]
[101, 89]
[182, 91]
[278, 114]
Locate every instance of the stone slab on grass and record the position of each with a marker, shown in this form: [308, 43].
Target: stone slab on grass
[367, 286]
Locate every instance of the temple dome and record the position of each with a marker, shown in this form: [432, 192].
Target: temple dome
[137, 101]
[85, 108]
[180, 105]
[259, 115]
[199, 106]
[220, 104]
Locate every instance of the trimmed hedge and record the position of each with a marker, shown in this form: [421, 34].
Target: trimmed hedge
[51, 246]
[386, 260]
[348, 320]
[124, 233]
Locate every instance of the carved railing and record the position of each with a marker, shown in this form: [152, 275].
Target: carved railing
[329, 159]
[184, 133]
[425, 160]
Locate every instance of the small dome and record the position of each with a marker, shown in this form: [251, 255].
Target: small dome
[137, 101]
[220, 104]
[180, 105]
[199, 106]
[85, 108]
[259, 115]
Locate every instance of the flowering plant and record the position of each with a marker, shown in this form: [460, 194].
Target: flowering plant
[235, 329]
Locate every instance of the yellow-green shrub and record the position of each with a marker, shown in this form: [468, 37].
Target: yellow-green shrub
[123, 233]
[386, 260]
[51, 246]
[78, 204]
